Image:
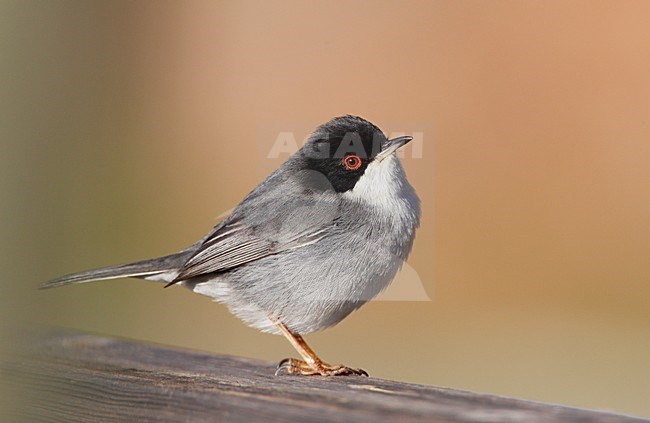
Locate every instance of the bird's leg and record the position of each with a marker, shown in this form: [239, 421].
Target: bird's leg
[311, 364]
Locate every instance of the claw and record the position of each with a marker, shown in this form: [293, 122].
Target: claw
[283, 365]
[279, 370]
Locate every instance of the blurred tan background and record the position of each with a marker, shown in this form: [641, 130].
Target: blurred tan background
[128, 127]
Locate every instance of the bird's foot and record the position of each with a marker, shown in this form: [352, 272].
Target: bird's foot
[300, 367]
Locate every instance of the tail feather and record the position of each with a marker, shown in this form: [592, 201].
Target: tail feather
[162, 268]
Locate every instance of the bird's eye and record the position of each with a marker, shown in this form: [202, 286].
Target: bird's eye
[352, 162]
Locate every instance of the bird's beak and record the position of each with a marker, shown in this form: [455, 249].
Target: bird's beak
[390, 146]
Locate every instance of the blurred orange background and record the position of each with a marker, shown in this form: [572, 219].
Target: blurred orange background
[128, 127]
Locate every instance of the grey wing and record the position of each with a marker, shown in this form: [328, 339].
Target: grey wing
[236, 244]
[264, 225]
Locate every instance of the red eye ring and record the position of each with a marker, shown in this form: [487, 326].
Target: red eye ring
[352, 162]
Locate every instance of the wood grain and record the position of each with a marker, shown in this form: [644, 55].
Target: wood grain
[78, 377]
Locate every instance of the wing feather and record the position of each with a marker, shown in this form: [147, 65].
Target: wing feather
[264, 224]
[238, 248]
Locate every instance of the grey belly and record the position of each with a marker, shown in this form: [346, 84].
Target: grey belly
[307, 289]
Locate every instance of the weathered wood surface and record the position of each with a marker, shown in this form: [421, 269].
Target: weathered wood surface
[78, 377]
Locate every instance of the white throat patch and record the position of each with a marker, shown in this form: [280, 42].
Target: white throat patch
[384, 186]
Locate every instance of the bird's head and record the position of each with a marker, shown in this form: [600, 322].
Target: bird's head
[346, 149]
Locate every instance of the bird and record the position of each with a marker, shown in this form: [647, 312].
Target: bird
[321, 236]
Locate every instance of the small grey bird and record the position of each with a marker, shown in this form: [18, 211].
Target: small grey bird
[317, 239]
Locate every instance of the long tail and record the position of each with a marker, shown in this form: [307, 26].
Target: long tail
[162, 269]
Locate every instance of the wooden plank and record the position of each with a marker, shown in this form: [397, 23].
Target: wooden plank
[79, 377]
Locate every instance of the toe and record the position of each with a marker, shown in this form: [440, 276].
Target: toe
[284, 362]
[341, 370]
[295, 366]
